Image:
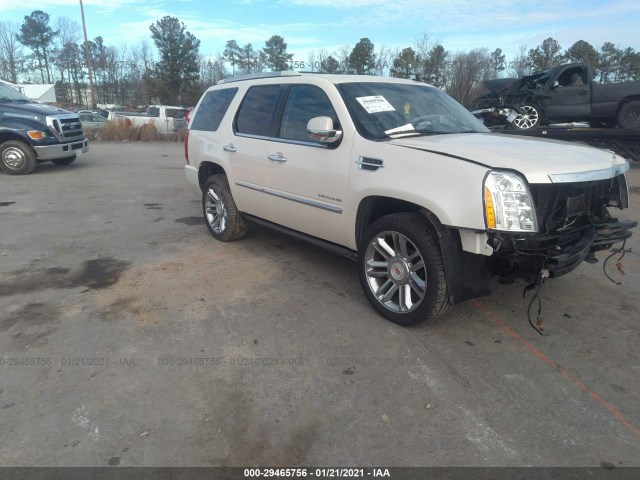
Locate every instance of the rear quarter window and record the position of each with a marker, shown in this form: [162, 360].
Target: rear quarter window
[212, 109]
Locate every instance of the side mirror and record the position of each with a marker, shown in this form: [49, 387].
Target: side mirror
[556, 84]
[321, 129]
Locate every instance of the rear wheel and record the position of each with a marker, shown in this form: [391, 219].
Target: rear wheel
[629, 115]
[529, 117]
[65, 161]
[17, 158]
[401, 269]
[224, 221]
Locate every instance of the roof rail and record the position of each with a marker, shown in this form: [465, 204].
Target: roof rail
[253, 76]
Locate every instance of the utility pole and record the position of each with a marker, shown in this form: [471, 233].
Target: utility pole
[88, 58]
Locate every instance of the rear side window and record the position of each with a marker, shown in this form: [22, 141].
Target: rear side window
[212, 109]
[175, 112]
[256, 114]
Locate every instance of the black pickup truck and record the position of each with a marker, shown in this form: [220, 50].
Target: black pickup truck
[31, 133]
[562, 94]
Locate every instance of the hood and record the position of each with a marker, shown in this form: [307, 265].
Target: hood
[539, 160]
[37, 108]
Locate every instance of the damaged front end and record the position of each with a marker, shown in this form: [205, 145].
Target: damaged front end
[546, 230]
[506, 98]
[573, 222]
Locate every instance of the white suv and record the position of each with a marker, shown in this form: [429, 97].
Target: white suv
[396, 174]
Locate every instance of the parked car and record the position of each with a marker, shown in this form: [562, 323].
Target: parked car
[165, 119]
[398, 175]
[31, 133]
[562, 94]
[92, 121]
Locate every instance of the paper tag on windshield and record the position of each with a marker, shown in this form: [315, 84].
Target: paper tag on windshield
[375, 104]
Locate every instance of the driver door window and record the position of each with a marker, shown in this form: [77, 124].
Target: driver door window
[304, 103]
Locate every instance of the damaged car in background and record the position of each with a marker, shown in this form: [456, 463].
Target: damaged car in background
[566, 93]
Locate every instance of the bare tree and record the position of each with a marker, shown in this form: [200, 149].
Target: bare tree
[384, 61]
[311, 61]
[212, 70]
[466, 70]
[520, 66]
[342, 56]
[11, 54]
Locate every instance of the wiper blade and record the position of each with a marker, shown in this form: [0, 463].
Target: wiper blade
[408, 128]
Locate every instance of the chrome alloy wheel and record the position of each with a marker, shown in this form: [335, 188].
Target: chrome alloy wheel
[395, 272]
[527, 119]
[215, 209]
[13, 158]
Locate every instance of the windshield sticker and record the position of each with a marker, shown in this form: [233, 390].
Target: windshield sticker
[375, 104]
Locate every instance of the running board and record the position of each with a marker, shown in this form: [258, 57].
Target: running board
[318, 242]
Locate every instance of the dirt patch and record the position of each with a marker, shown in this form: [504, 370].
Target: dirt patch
[190, 285]
[6, 204]
[94, 274]
[35, 322]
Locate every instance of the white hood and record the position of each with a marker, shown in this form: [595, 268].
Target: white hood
[539, 160]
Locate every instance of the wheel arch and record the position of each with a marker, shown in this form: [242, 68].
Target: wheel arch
[206, 169]
[12, 135]
[467, 274]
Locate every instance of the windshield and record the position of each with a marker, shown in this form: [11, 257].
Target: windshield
[539, 80]
[392, 110]
[9, 94]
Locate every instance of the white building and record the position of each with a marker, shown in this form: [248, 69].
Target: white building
[43, 93]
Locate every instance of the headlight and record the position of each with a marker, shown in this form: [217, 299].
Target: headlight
[508, 205]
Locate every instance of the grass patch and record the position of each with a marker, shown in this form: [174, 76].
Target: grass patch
[121, 130]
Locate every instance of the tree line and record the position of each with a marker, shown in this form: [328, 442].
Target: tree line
[175, 72]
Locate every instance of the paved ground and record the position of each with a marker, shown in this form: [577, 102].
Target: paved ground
[111, 286]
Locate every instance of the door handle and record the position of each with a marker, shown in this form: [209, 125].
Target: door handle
[229, 148]
[277, 157]
[583, 92]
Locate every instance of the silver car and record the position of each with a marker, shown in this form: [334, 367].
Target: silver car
[92, 121]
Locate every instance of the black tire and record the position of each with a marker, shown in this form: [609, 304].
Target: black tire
[530, 118]
[221, 215]
[629, 115]
[65, 161]
[17, 158]
[416, 268]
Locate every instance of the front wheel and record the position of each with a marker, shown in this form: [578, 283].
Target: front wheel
[65, 161]
[529, 117]
[17, 158]
[629, 115]
[401, 269]
[224, 221]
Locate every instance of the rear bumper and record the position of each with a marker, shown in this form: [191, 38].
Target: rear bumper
[61, 150]
[192, 176]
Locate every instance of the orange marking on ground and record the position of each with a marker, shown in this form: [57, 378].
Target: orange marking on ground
[545, 358]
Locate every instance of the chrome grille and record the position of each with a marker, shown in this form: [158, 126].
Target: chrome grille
[71, 127]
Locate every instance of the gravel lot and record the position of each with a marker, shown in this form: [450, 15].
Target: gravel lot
[130, 337]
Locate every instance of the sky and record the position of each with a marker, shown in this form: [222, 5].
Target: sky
[459, 25]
